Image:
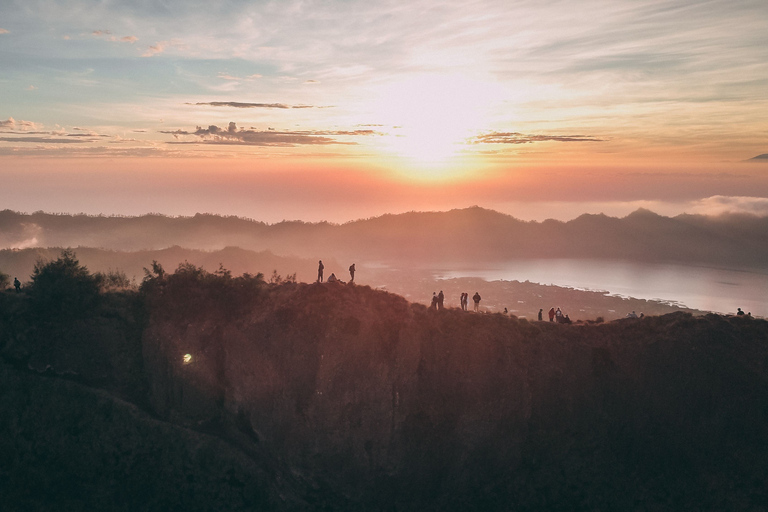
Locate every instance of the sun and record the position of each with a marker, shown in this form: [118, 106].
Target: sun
[430, 117]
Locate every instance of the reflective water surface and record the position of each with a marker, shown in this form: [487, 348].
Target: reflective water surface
[707, 289]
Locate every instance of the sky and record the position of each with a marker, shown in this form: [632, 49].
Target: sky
[339, 110]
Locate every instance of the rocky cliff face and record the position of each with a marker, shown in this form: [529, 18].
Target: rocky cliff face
[340, 397]
[392, 404]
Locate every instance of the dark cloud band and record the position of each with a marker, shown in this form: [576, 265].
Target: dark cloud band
[522, 138]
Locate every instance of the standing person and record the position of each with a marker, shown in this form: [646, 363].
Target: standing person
[476, 297]
[320, 268]
[434, 301]
[464, 300]
[352, 273]
[540, 312]
[559, 315]
[552, 314]
[440, 300]
[17, 284]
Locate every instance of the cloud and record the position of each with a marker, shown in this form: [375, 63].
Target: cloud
[155, 49]
[110, 37]
[270, 137]
[237, 104]
[30, 132]
[522, 138]
[88, 134]
[42, 140]
[759, 158]
[12, 124]
[226, 76]
[719, 205]
[4, 31]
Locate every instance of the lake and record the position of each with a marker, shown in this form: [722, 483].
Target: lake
[704, 288]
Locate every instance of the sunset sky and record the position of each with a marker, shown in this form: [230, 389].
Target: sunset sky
[337, 110]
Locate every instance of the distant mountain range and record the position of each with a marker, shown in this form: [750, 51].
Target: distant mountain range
[416, 239]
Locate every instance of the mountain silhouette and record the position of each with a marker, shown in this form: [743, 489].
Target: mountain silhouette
[415, 239]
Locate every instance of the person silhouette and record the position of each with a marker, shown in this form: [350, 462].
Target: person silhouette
[17, 284]
[476, 298]
[440, 300]
[434, 301]
[352, 273]
[552, 314]
[540, 312]
[740, 312]
[320, 268]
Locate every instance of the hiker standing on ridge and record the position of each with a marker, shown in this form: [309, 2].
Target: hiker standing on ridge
[440, 300]
[476, 297]
[434, 301]
[17, 284]
[540, 312]
[352, 273]
[552, 314]
[320, 268]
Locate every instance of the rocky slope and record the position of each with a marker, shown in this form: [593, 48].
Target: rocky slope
[338, 397]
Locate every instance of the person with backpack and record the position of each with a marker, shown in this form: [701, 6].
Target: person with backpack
[476, 297]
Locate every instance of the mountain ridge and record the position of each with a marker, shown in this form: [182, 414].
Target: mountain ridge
[472, 234]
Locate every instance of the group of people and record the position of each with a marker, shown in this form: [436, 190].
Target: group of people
[555, 315]
[438, 300]
[332, 278]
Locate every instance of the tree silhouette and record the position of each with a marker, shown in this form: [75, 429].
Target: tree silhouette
[63, 288]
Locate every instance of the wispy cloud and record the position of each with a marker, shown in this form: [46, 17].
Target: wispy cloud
[522, 138]
[249, 78]
[161, 46]
[109, 37]
[718, 205]
[237, 104]
[154, 50]
[42, 140]
[4, 31]
[270, 137]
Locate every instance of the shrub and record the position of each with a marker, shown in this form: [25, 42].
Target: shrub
[192, 291]
[115, 280]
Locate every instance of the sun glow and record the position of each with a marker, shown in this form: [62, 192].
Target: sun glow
[431, 117]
